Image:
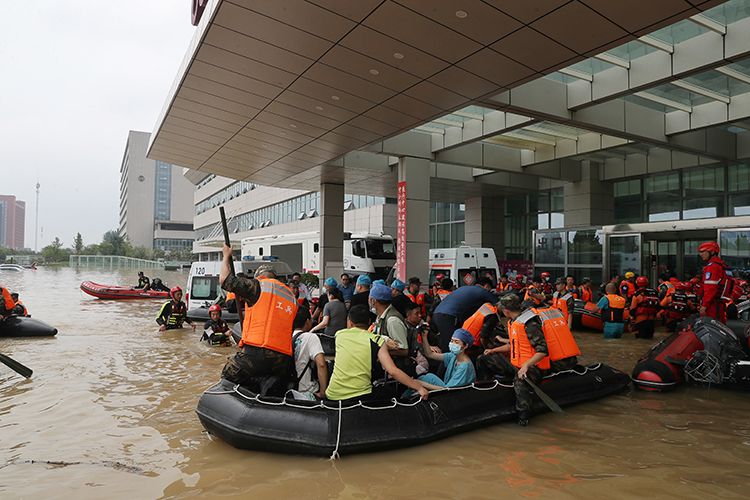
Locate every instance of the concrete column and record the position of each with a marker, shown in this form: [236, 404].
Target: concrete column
[331, 231]
[589, 202]
[485, 223]
[416, 173]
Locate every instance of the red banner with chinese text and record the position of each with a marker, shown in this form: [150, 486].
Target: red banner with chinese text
[401, 232]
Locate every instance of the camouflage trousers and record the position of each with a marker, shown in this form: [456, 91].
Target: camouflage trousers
[263, 371]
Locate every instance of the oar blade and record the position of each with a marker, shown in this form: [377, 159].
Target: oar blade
[22, 370]
[545, 398]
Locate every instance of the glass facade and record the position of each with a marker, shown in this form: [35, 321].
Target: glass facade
[524, 214]
[173, 244]
[229, 193]
[162, 191]
[447, 224]
[735, 250]
[575, 252]
[696, 193]
[297, 208]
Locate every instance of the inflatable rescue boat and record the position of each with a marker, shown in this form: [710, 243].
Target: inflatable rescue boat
[586, 316]
[120, 292]
[702, 351]
[248, 421]
[20, 326]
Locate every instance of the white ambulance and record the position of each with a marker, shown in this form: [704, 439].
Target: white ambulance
[464, 265]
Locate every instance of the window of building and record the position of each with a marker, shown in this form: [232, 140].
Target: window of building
[663, 197]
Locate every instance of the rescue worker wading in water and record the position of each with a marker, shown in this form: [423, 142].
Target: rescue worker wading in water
[540, 344]
[173, 313]
[270, 308]
[714, 281]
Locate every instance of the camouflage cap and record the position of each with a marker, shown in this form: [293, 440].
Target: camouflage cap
[264, 268]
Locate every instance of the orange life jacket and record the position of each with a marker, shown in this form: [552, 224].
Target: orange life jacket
[627, 289]
[560, 302]
[560, 341]
[615, 310]
[528, 296]
[443, 293]
[230, 296]
[586, 294]
[7, 301]
[476, 321]
[419, 299]
[502, 287]
[268, 323]
[645, 304]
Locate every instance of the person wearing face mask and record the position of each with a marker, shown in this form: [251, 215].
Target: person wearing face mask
[459, 370]
[328, 284]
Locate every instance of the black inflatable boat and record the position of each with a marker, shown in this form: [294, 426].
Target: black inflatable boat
[248, 421]
[19, 326]
[201, 314]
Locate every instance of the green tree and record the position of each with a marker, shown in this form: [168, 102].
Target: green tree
[78, 244]
[54, 252]
[114, 244]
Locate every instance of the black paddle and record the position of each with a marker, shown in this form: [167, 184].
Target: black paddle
[545, 399]
[240, 309]
[22, 370]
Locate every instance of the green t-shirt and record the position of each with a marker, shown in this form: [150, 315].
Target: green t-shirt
[354, 360]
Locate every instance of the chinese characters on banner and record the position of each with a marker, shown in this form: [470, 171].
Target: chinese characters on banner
[401, 232]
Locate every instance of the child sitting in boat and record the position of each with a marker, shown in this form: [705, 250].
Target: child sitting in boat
[215, 330]
[459, 370]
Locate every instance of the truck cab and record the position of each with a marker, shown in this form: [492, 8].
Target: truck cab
[372, 254]
[464, 265]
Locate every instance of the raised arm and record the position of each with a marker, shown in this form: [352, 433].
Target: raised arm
[387, 362]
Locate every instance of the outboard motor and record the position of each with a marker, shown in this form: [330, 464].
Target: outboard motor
[702, 351]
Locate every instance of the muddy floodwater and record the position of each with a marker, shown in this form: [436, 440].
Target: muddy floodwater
[110, 413]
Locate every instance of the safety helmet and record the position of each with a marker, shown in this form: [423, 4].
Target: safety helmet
[439, 277]
[641, 282]
[545, 275]
[519, 277]
[709, 246]
[215, 307]
[629, 274]
[174, 291]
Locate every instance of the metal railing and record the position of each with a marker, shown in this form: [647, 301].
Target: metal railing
[113, 261]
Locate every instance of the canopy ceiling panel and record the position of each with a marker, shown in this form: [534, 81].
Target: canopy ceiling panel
[271, 91]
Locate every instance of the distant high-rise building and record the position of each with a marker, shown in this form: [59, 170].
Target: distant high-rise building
[12, 222]
[156, 201]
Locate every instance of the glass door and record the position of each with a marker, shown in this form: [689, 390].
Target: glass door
[624, 254]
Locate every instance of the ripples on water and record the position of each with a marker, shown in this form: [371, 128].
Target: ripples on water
[110, 412]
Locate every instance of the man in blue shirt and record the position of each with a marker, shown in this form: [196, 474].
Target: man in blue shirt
[347, 287]
[456, 308]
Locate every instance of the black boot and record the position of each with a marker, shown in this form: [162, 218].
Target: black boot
[523, 419]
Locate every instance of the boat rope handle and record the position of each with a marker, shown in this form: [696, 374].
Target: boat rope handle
[335, 455]
[394, 402]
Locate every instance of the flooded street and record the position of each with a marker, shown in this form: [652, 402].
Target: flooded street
[110, 413]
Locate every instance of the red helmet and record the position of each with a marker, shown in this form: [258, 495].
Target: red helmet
[709, 246]
[439, 277]
[544, 275]
[641, 282]
[215, 307]
[684, 287]
[174, 291]
[519, 277]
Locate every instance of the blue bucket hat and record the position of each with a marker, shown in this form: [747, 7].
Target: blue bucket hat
[330, 282]
[381, 292]
[398, 285]
[464, 336]
[364, 280]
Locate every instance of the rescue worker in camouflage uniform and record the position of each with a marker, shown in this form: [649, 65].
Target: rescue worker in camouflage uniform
[266, 345]
[540, 344]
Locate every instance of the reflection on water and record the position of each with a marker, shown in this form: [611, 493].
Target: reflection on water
[110, 413]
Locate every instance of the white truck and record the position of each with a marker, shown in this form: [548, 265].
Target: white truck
[364, 253]
[464, 265]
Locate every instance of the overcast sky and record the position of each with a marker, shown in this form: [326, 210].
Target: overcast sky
[75, 76]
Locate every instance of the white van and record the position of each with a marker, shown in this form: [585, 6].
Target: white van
[464, 265]
[203, 285]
